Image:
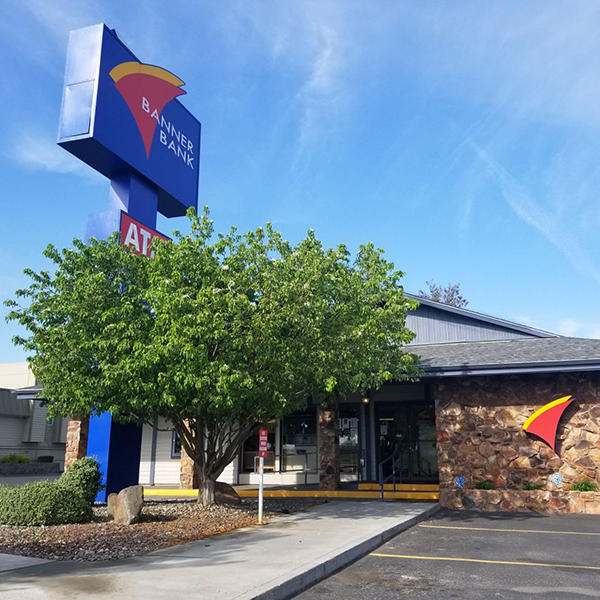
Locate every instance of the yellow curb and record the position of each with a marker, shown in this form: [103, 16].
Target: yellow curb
[401, 487]
[432, 496]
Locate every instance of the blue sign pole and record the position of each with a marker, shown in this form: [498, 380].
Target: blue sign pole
[123, 118]
[117, 446]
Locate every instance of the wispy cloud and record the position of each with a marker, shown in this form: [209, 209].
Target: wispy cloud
[38, 151]
[578, 328]
[547, 222]
[307, 44]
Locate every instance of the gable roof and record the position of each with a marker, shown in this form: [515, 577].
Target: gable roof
[525, 355]
[485, 321]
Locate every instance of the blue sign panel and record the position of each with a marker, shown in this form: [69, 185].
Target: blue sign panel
[122, 117]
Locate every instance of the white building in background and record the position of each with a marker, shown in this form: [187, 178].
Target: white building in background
[24, 427]
[16, 375]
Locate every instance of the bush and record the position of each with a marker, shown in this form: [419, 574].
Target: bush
[485, 485]
[83, 477]
[584, 486]
[532, 486]
[45, 459]
[14, 459]
[43, 503]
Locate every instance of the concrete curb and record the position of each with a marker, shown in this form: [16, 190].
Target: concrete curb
[302, 581]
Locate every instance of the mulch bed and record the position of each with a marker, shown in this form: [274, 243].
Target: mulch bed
[163, 524]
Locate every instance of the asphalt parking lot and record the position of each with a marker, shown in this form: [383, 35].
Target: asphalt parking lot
[472, 556]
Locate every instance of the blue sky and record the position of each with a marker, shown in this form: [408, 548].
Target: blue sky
[463, 137]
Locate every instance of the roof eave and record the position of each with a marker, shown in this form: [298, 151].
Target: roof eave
[531, 368]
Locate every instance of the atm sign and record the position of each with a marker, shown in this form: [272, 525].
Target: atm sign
[137, 236]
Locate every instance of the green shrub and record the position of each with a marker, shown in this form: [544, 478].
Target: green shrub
[530, 485]
[14, 459]
[45, 459]
[485, 485]
[584, 486]
[43, 503]
[83, 477]
[69, 499]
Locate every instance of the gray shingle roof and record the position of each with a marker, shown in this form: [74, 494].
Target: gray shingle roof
[503, 356]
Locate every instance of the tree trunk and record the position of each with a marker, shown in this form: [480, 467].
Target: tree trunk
[206, 491]
[329, 447]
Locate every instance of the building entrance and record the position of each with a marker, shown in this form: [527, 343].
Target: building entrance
[409, 431]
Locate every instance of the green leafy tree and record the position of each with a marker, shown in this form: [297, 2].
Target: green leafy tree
[450, 294]
[217, 334]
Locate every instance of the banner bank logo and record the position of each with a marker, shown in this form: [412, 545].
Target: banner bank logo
[147, 89]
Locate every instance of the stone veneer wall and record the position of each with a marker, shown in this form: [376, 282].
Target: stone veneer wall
[77, 439]
[188, 478]
[480, 437]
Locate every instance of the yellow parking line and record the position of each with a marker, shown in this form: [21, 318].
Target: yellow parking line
[509, 530]
[488, 562]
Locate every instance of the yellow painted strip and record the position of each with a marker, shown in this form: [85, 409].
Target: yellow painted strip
[509, 530]
[170, 492]
[339, 494]
[304, 494]
[132, 67]
[544, 408]
[402, 487]
[487, 562]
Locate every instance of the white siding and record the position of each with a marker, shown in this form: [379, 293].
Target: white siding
[166, 469]
[61, 424]
[11, 431]
[145, 455]
[36, 432]
[229, 474]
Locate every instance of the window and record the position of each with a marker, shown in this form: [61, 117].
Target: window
[175, 445]
[299, 442]
[250, 450]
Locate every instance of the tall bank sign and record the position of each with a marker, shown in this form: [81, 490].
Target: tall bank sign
[124, 118]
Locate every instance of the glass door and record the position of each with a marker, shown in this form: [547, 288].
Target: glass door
[350, 449]
[409, 431]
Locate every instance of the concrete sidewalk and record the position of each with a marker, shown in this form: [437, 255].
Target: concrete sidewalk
[270, 562]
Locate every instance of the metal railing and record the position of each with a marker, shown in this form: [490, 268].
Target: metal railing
[304, 469]
[395, 459]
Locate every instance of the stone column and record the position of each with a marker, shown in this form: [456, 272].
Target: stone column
[77, 439]
[329, 448]
[188, 478]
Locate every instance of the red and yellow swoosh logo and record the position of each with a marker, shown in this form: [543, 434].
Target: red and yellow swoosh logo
[544, 421]
[147, 89]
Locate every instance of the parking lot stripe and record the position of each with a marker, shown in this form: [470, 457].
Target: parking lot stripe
[509, 530]
[489, 562]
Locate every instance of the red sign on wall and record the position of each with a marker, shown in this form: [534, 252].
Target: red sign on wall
[137, 236]
[263, 443]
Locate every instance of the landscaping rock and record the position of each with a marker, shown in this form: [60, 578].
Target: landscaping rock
[111, 504]
[225, 494]
[126, 506]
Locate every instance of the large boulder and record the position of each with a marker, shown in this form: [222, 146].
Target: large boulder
[126, 506]
[225, 494]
